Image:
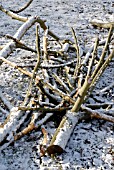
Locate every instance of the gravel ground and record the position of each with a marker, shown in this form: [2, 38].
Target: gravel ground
[92, 143]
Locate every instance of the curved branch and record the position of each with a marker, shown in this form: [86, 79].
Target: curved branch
[12, 15]
[22, 8]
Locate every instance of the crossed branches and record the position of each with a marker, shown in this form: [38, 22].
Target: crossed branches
[63, 86]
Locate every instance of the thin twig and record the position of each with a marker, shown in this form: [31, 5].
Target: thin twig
[10, 47]
[99, 105]
[106, 88]
[60, 81]
[31, 126]
[102, 69]
[4, 111]
[36, 66]
[19, 68]
[103, 52]
[58, 91]
[5, 101]
[24, 108]
[77, 52]
[93, 57]
[58, 65]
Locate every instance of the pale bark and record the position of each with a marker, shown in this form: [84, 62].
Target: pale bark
[65, 129]
[10, 124]
[102, 24]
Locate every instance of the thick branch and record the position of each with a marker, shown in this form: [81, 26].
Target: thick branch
[65, 129]
[12, 15]
[102, 25]
[81, 95]
[10, 47]
[24, 19]
[10, 123]
[97, 115]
